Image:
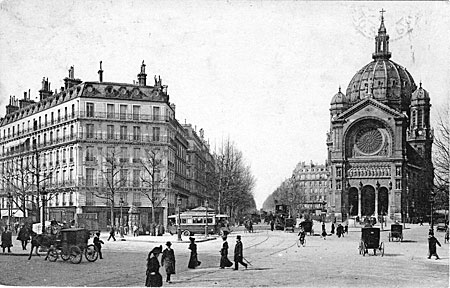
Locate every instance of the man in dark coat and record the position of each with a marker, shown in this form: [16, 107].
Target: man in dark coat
[271, 225]
[324, 232]
[23, 236]
[432, 241]
[98, 244]
[168, 260]
[193, 260]
[154, 278]
[111, 233]
[238, 254]
[332, 228]
[7, 240]
[224, 261]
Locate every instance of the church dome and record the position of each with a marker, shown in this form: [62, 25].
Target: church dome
[339, 98]
[382, 79]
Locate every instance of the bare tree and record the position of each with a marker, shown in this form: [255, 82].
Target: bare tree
[442, 160]
[112, 178]
[154, 179]
[233, 181]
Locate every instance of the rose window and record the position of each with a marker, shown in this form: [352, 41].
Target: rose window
[369, 140]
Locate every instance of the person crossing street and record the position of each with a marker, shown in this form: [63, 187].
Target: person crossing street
[238, 254]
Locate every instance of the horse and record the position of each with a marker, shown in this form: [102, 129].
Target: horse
[43, 240]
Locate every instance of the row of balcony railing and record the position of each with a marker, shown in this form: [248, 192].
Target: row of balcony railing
[89, 115]
[94, 136]
[124, 116]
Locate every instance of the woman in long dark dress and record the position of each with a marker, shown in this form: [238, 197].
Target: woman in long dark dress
[224, 261]
[193, 261]
[154, 278]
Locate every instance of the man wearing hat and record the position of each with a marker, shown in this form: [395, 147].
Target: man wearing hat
[154, 278]
[432, 241]
[168, 260]
[238, 254]
[98, 244]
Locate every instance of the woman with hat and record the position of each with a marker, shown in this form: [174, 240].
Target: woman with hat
[193, 261]
[168, 260]
[154, 279]
[224, 261]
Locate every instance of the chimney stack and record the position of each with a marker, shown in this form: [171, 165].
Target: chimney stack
[100, 73]
[13, 105]
[71, 81]
[142, 77]
[45, 90]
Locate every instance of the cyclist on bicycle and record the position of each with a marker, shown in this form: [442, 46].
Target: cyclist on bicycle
[301, 235]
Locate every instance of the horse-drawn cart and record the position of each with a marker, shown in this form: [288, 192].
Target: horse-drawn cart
[71, 245]
[370, 239]
[396, 232]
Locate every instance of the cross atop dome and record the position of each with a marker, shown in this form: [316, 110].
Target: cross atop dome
[382, 41]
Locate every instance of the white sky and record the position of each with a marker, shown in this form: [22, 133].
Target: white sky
[260, 72]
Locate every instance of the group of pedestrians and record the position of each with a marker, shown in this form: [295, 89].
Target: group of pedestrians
[155, 279]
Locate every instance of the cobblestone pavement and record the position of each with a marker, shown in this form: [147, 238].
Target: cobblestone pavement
[275, 258]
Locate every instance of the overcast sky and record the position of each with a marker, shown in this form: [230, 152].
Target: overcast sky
[259, 72]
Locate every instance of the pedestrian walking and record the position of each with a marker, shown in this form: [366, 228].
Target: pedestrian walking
[339, 230]
[154, 278]
[432, 241]
[238, 254]
[332, 228]
[111, 234]
[224, 261]
[135, 230]
[7, 240]
[324, 232]
[345, 229]
[193, 260]
[23, 236]
[271, 225]
[98, 244]
[421, 221]
[168, 260]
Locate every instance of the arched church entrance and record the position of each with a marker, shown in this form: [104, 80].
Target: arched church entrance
[367, 200]
[353, 201]
[383, 201]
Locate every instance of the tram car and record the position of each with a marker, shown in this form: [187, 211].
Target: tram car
[281, 214]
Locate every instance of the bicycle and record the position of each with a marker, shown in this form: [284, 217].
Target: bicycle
[301, 241]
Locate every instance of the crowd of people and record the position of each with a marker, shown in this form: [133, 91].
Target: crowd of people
[154, 277]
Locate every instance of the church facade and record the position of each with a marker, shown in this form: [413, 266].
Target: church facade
[379, 143]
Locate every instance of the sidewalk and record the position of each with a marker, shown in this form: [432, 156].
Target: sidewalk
[158, 239]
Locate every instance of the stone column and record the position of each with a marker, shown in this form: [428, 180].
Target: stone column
[359, 199]
[377, 191]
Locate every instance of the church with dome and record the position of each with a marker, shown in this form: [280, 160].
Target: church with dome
[379, 143]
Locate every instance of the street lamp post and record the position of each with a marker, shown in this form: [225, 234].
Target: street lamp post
[9, 204]
[43, 199]
[179, 218]
[206, 213]
[432, 195]
[121, 220]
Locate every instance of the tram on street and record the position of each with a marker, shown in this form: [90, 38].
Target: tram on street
[195, 221]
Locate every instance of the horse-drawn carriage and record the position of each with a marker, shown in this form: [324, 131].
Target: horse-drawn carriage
[370, 239]
[307, 226]
[289, 224]
[69, 244]
[396, 232]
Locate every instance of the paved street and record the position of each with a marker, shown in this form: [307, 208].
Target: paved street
[276, 261]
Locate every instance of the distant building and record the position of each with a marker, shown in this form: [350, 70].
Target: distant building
[379, 144]
[310, 184]
[68, 139]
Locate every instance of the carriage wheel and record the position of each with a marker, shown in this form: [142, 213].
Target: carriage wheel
[65, 257]
[382, 249]
[91, 253]
[52, 255]
[75, 255]
[186, 233]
